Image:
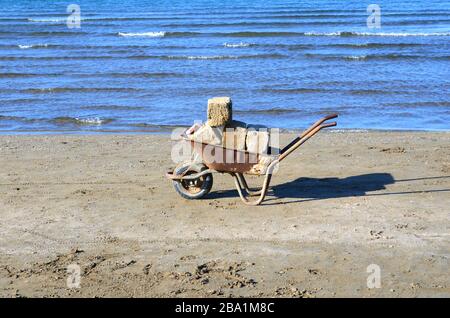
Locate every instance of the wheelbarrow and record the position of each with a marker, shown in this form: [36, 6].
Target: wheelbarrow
[194, 180]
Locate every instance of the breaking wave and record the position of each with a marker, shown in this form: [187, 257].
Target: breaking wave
[32, 46]
[112, 107]
[294, 90]
[224, 57]
[64, 120]
[77, 90]
[59, 20]
[143, 34]
[251, 34]
[373, 45]
[367, 57]
[270, 111]
[235, 45]
[394, 34]
[94, 121]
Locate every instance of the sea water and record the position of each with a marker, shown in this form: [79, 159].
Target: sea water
[145, 66]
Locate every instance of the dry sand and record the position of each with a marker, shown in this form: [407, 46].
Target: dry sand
[344, 201]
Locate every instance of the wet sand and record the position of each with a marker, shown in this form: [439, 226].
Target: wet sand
[344, 201]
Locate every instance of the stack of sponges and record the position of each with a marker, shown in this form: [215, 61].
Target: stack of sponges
[219, 114]
[220, 129]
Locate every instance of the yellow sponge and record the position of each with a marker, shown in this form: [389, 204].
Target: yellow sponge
[219, 111]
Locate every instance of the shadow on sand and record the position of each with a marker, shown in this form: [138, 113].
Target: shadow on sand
[309, 189]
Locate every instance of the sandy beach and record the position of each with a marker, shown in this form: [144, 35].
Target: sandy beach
[344, 201]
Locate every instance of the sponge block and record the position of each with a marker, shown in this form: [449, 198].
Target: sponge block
[208, 135]
[234, 135]
[219, 111]
[257, 140]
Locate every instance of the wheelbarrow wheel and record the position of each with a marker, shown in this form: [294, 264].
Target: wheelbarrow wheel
[195, 188]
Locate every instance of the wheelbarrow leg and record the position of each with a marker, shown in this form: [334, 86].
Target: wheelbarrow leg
[262, 194]
[243, 184]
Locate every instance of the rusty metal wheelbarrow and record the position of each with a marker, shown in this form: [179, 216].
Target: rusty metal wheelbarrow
[193, 179]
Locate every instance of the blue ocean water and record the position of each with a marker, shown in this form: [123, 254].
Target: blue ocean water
[147, 65]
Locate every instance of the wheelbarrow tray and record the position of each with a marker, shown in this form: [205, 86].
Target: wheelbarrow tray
[225, 160]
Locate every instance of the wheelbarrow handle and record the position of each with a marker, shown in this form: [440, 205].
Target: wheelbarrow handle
[332, 124]
[332, 116]
[307, 131]
[316, 124]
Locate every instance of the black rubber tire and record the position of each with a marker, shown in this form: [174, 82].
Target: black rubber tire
[193, 189]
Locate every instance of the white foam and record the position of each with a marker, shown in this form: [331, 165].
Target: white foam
[357, 58]
[201, 57]
[220, 57]
[213, 57]
[393, 34]
[322, 34]
[234, 45]
[31, 46]
[402, 34]
[143, 34]
[48, 20]
[90, 121]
